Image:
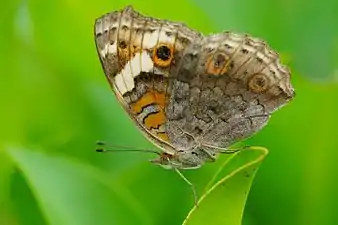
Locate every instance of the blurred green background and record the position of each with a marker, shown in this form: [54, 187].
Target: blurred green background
[55, 104]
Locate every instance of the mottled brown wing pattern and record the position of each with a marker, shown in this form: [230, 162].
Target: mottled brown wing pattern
[138, 54]
[226, 89]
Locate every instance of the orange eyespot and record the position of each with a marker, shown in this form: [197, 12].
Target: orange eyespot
[163, 55]
[218, 64]
[258, 83]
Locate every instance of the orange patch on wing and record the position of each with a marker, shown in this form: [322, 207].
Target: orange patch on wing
[150, 97]
[160, 99]
[154, 120]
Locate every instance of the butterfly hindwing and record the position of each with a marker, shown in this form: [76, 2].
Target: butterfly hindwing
[227, 86]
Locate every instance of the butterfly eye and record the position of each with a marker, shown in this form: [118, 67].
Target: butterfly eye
[163, 55]
[217, 64]
[258, 83]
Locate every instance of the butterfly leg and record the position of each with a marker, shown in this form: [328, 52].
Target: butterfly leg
[233, 150]
[227, 150]
[187, 133]
[190, 184]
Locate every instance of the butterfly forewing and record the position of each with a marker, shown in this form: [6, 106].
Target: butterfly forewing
[138, 54]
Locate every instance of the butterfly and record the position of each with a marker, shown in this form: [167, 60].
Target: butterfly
[191, 95]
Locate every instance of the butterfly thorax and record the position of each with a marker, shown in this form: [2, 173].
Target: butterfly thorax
[189, 152]
[184, 159]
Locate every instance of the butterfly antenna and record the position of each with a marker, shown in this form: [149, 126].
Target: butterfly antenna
[102, 147]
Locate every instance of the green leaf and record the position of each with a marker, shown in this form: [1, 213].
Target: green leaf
[224, 202]
[69, 192]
